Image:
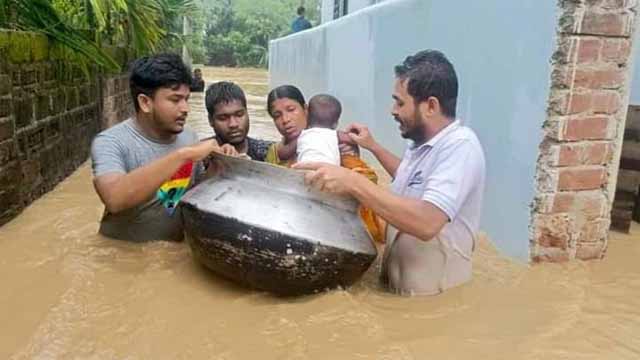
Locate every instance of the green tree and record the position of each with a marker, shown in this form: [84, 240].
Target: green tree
[146, 25]
[237, 32]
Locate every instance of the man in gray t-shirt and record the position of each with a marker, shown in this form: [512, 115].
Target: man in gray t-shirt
[124, 148]
[143, 166]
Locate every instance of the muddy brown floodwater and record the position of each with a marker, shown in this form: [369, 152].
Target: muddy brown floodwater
[67, 293]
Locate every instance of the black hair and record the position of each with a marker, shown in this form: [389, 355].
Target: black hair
[430, 74]
[150, 73]
[300, 10]
[284, 92]
[324, 111]
[223, 92]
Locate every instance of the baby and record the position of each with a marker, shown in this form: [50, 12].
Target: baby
[319, 141]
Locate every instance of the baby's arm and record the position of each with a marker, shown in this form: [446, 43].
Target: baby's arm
[344, 138]
[287, 151]
[347, 145]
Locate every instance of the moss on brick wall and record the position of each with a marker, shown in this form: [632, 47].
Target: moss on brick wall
[4, 39]
[39, 47]
[50, 110]
[20, 47]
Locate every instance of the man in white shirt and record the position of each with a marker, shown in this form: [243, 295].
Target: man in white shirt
[433, 208]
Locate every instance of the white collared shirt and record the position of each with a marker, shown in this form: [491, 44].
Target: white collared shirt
[448, 171]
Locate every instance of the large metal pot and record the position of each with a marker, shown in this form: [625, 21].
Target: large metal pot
[259, 225]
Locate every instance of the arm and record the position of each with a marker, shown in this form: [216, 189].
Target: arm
[210, 166]
[122, 191]
[347, 146]
[287, 150]
[388, 160]
[361, 135]
[445, 191]
[416, 217]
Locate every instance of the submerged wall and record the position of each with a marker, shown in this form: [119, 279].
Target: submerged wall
[503, 69]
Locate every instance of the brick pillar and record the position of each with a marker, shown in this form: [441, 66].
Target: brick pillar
[577, 166]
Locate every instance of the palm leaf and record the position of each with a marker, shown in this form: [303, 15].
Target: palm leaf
[40, 16]
[145, 25]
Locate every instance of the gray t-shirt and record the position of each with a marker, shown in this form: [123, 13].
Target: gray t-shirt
[122, 149]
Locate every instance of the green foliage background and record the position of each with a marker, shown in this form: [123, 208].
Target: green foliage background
[237, 32]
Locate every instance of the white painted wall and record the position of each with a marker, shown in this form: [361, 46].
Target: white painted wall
[503, 68]
[326, 12]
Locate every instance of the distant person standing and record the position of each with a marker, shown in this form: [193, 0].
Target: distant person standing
[197, 85]
[300, 23]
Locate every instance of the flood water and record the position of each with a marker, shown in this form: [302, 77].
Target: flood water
[67, 293]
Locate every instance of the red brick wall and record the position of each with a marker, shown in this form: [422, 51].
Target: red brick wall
[583, 130]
